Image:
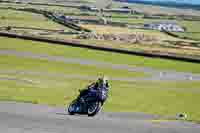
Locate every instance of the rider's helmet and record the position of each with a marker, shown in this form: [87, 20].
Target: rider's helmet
[103, 80]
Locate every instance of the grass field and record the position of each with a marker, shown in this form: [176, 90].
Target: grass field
[192, 26]
[65, 10]
[164, 98]
[88, 70]
[193, 29]
[135, 20]
[151, 9]
[51, 82]
[19, 18]
[143, 8]
[101, 29]
[38, 47]
[143, 47]
[189, 35]
[25, 19]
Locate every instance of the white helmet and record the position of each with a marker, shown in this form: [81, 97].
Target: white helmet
[103, 79]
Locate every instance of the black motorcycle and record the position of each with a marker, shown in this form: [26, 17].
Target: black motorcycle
[89, 104]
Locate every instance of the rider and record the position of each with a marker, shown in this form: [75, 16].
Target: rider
[95, 86]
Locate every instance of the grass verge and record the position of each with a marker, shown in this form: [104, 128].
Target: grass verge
[115, 58]
[25, 19]
[163, 98]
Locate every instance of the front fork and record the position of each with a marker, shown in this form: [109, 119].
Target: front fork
[84, 104]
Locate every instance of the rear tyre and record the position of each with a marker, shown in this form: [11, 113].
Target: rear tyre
[94, 108]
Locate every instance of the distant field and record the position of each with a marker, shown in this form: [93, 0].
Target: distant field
[102, 29]
[25, 19]
[193, 29]
[135, 20]
[191, 35]
[66, 10]
[192, 26]
[158, 9]
[143, 47]
[52, 82]
[10, 17]
[139, 7]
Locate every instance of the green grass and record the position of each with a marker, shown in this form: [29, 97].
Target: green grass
[192, 26]
[189, 35]
[163, 98]
[65, 10]
[24, 19]
[48, 81]
[156, 97]
[135, 20]
[39, 47]
[192, 29]
[7, 63]
[52, 86]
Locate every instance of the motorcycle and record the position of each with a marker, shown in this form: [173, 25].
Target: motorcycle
[89, 104]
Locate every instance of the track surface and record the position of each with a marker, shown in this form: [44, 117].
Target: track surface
[29, 118]
[154, 74]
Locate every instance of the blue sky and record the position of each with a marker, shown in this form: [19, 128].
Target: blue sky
[181, 1]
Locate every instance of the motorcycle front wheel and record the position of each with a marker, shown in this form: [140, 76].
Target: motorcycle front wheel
[94, 108]
[71, 108]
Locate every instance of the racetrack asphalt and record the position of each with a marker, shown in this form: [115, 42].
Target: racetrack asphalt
[33, 118]
[166, 75]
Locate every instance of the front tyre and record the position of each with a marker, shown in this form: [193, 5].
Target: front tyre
[94, 108]
[71, 108]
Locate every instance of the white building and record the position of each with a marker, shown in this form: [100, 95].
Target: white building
[167, 26]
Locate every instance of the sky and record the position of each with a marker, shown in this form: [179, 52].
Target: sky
[180, 1]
